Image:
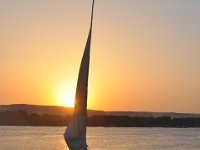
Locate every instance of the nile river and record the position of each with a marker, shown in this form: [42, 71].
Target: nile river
[99, 138]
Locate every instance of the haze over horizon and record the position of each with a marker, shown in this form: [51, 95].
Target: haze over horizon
[145, 55]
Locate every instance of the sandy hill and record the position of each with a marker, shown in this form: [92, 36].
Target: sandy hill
[59, 110]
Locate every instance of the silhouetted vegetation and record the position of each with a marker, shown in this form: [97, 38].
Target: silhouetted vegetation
[126, 121]
[23, 118]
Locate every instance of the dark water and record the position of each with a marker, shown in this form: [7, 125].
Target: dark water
[51, 138]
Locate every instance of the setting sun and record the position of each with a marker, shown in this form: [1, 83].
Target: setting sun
[65, 95]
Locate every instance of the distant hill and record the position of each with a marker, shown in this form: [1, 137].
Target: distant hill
[40, 110]
[63, 111]
[153, 114]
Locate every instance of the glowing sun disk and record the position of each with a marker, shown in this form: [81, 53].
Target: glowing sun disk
[65, 96]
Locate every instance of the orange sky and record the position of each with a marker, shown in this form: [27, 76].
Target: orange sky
[145, 55]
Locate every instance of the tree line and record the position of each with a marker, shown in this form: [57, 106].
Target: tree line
[33, 119]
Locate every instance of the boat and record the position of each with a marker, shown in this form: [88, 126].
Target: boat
[75, 134]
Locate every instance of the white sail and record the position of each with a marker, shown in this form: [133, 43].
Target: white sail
[75, 134]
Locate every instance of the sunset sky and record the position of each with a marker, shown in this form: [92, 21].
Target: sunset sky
[145, 55]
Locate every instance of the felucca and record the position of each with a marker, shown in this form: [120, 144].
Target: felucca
[75, 134]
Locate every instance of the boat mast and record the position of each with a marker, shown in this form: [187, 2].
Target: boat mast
[92, 15]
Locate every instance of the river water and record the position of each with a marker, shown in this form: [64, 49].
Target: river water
[99, 138]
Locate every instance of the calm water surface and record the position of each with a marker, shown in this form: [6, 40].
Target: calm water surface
[51, 138]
